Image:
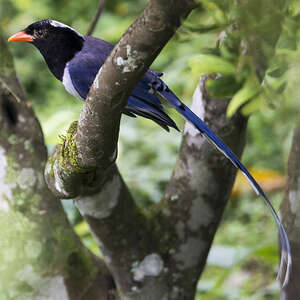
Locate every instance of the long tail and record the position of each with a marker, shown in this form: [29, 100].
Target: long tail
[286, 258]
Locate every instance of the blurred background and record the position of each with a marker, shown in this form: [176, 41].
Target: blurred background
[244, 258]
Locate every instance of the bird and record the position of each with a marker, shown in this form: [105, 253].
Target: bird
[75, 60]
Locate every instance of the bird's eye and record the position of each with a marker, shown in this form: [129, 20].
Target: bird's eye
[39, 33]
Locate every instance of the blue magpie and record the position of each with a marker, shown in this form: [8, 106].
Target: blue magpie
[75, 60]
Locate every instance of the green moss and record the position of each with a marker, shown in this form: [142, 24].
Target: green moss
[68, 158]
[23, 287]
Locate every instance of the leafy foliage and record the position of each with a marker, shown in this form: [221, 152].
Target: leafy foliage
[246, 30]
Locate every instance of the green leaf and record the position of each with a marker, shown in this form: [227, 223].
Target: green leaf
[254, 105]
[249, 90]
[278, 71]
[210, 64]
[280, 89]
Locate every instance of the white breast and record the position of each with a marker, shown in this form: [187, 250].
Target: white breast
[67, 82]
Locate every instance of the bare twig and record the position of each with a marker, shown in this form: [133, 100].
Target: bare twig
[92, 27]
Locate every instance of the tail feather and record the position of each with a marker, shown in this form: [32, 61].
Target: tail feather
[286, 260]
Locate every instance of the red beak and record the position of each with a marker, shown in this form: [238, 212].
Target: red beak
[21, 36]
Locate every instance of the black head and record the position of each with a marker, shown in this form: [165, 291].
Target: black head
[57, 42]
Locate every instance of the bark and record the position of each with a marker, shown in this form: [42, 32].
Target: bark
[290, 211]
[200, 187]
[41, 257]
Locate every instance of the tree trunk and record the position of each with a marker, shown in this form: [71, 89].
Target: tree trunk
[41, 256]
[290, 211]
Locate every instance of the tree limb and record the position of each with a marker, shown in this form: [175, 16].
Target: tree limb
[100, 8]
[201, 183]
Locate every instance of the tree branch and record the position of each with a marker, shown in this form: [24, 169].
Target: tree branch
[197, 194]
[100, 8]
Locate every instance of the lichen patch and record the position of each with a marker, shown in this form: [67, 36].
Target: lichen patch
[13, 139]
[201, 214]
[26, 178]
[129, 63]
[101, 205]
[152, 265]
[96, 80]
[189, 253]
[294, 197]
[120, 61]
[293, 201]
[53, 286]
[5, 188]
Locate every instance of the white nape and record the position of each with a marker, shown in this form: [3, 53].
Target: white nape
[59, 24]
